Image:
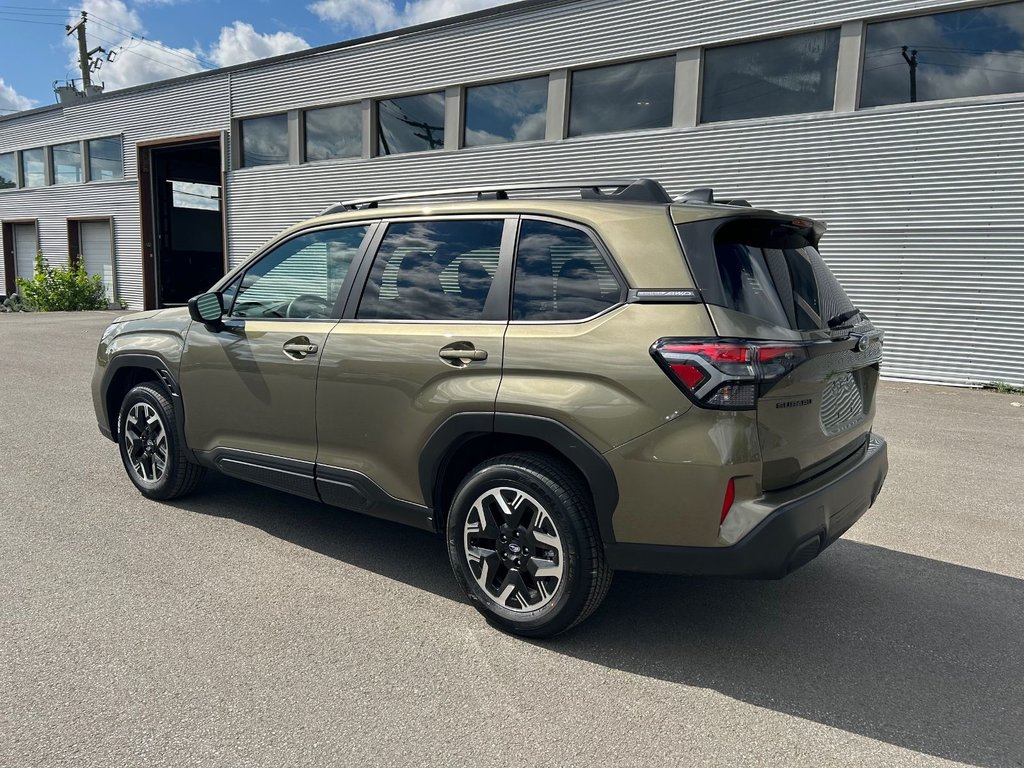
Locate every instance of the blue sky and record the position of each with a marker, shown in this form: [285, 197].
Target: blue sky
[157, 39]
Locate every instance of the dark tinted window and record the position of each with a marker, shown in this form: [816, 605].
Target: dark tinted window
[264, 140]
[504, 112]
[560, 274]
[949, 55]
[300, 278]
[783, 76]
[622, 97]
[433, 270]
[334, 132]
[67, 163]
[8, 171]
[33, 167]
[105, 159]
[775, 273]
[411, 123]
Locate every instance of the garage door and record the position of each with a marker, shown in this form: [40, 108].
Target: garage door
[25, 246]
[97, 253]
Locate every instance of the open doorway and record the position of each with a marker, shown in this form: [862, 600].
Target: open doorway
[181, 184]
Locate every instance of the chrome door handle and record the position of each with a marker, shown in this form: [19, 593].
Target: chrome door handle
[299, 348]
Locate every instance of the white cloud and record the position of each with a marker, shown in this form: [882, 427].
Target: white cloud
[118, 28]
[137, 60]
[11, 100]
[241, 42]
[380, 15]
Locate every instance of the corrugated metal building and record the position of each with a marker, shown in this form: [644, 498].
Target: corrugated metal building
[914, 156]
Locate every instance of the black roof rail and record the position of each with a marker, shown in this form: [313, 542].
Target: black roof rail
[623, 190]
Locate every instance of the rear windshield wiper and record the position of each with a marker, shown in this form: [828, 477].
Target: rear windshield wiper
[838, 320]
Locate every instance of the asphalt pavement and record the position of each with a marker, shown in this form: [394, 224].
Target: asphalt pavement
[245, 627]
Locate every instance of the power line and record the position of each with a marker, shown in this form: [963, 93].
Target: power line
[30, 21]
[190, 56]
[137, 53]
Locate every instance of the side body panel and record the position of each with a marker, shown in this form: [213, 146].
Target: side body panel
[158, 336]
[597, 377]
[384, 390]
[243, 391]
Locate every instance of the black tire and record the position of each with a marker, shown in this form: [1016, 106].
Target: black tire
[537, 606]
[151, 452]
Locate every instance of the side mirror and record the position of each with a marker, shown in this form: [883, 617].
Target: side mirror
[206, 308]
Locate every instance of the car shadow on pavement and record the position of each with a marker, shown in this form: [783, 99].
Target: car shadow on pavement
[903, 649]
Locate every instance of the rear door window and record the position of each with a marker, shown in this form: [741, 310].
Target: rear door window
[561, 274]
[433, 270]
[773, 271]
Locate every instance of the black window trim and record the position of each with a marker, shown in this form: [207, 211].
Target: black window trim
[502, 282]
[620, 278]
[238, 273]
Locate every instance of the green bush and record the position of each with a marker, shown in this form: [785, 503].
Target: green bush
[53, 289]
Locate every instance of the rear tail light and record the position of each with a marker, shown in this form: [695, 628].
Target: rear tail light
[726, 375]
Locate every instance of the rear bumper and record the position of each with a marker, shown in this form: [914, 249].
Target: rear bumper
[791, 536]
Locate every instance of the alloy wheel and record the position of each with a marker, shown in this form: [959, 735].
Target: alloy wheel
[146, 442]
[514, 550]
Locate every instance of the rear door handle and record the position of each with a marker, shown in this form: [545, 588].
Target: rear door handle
[299, 347]
[462, 353]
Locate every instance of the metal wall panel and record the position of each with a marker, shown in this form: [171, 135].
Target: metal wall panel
[550, 37]
[926, 240]
[52, 206]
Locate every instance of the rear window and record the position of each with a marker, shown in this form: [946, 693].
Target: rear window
[772, 271]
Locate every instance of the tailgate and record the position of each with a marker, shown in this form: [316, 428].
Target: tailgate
[764, 281]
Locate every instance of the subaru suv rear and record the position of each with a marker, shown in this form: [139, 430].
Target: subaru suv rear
[561, 387]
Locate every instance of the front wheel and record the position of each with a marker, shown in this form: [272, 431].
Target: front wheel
[147, 436]
[524, 545]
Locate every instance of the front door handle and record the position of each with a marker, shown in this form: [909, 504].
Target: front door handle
[462, 353]
[299, 347]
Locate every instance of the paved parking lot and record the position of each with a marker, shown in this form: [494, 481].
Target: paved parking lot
[242, 627]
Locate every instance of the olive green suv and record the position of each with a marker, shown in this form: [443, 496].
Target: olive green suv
[562, 387]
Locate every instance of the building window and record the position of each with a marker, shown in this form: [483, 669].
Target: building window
[33, 167]
[106, 159]
[505, 112]
[194, 195]
[334, 132]
[8, 171]
[410, 124]
[782, 76]
[622, 97]
[264, 140]
[67, 163]
[953, 55]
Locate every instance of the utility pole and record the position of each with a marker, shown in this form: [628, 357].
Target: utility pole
[912, 63]
[83, 52]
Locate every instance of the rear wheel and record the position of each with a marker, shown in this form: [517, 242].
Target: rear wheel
[147, 436]
[524, 545]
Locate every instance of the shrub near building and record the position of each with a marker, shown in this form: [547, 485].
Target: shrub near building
[54, 289]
